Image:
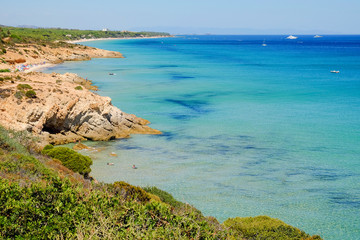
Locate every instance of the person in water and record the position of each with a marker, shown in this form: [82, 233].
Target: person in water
[134, 167]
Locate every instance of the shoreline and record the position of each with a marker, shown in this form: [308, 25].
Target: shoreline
[101, 39]
[49, 65]
[40, 67]
[59, 112]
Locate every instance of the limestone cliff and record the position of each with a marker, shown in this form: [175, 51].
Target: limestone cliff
[62, 111]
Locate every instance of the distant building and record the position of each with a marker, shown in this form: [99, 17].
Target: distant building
[68, 35]
[105, 29]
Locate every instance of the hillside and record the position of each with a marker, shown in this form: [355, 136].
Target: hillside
[41, 198]
[31, 35]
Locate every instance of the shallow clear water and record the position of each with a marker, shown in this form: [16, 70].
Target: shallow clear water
[248, 130]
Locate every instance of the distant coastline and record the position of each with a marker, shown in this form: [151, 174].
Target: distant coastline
[125, 38]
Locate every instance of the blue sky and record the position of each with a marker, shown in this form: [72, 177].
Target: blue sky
[190, 16]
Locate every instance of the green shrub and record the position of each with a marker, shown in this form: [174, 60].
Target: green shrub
[264, 227]
[164, 196]
[30, 94]
[131, 192]
[78, 88]
[13, 141]
[70, 159]
[1, 79]
[19, 94]
[5, 70]
[23, 86]
[3, 51]
[47, 147]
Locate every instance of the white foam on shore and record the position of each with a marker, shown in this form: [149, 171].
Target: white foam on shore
[39, 67]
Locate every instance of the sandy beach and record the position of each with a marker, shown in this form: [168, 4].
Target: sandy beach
[39, 67]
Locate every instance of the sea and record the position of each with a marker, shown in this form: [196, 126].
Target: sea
[252, 125]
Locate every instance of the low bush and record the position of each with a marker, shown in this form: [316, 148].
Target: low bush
[23, 86]
[5, 70]
[264, 227]
[47, 147]
[164, 196]
[70, 159]
[30, 94]
[78, 88]
[11, 140]
[130, 192]
[19, 94]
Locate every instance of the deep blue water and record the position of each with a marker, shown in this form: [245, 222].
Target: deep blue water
[248, 129]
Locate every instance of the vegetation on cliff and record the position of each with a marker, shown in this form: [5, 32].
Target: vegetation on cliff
[46, 35]
[40, 198]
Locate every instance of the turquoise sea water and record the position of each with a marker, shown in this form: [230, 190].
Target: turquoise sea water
[248, 129]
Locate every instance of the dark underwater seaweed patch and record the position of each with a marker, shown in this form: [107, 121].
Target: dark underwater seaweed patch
[344, 199]
[180, 77]
[326, 174]
[127, 147]
[194, 105]
[164, 66]
[168, 135]
[179, 116]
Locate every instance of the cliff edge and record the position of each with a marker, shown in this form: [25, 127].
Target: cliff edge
[63, 110]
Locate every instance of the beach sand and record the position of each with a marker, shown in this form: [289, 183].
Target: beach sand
[39, 67]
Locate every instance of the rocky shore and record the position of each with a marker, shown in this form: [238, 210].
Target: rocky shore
[33, 54]
[60, 108]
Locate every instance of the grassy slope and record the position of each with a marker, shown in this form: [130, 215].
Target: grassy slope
[40, 198]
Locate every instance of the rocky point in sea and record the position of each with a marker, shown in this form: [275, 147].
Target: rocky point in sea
[63, 109]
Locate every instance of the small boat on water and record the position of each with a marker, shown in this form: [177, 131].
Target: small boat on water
[112, 74]
[335, 71]
[264, 44]
[318, 36]
[291, 37]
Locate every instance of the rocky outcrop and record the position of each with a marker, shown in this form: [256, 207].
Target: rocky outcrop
[62, 113]
[37, 54]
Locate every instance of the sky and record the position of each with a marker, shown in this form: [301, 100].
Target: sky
[190, 16]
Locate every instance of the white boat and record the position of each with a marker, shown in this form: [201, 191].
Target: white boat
[291, 37]
[318, 36]
[335, 71]
[264, 44]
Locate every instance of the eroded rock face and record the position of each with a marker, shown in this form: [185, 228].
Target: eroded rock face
[61, 114]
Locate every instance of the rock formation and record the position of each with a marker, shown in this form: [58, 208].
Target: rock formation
[35, 54]
[63, 112]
